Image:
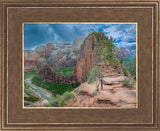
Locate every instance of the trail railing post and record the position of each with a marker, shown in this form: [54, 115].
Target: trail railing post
[101, 84]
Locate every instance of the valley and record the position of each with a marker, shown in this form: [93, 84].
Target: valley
[90, 72]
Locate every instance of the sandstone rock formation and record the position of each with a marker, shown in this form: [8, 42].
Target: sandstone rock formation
[111, 95]
[50, 75]
[89, 58]
[55, 55]
[77, 43]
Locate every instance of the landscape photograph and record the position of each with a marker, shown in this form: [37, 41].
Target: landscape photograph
[80, 65]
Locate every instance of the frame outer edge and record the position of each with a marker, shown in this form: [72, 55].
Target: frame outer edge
[2, 58]
[1, 41]
[48, 1]
[158, 90]
[157, 105]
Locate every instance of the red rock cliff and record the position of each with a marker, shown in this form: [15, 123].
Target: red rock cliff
[88, 58]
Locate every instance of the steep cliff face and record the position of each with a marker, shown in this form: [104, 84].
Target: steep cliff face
[55, 55]
[50, 75]
[89, 57]
[77, 43]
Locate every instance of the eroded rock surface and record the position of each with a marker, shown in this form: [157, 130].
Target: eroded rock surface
[50, 75]
[112, 95]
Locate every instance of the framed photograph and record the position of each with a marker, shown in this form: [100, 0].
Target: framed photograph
[79, 65]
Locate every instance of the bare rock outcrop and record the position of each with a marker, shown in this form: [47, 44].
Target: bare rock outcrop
[89, 58]
[50, 75]
[77, 43]
[113, 94]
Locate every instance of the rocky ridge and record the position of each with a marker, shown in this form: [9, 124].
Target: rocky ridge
[50, 75]
[53, 54]
[113, 94]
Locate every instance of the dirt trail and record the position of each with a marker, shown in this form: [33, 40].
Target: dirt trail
[112, 94]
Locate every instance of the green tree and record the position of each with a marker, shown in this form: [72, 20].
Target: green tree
[106, 49]
[121, 60]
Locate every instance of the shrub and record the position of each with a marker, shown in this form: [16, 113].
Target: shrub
[93, 75]
[26, 103]
[32, 99]
[56, 102]
[52, 103]
[68, 95]
[124, 71]
[65, 72]
[121, 60]
[55, 88]
[128, 82]
[29, 74]
[75, 100]
[60, 101]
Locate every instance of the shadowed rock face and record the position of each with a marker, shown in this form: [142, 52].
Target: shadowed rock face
[31, 65]
[77, 43]
[62, 55]
[50, 75]
[53, 54]
[88, 58]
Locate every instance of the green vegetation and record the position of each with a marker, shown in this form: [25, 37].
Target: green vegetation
[76, 52]
[128, 82]
[125, 72]
[26, 103]
[53, 87]
[30, 92]
[121, 60]
[106, 48]
[31, 98]
[68, 95]
[65, 72]
[29, 74]
[128, 63]
[93, 75]
[59, 101]
[39, 67]
[68, 58]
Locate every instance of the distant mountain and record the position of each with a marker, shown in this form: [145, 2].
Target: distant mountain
[53, 54]
[86, 60]
[123, 53]
[66, 56]
[77, 43]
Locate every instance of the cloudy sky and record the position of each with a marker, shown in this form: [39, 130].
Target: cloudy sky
[41, 34]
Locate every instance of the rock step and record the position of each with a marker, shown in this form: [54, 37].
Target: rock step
[111, 74]
[112, 80]
[106, 97]
[111, 83]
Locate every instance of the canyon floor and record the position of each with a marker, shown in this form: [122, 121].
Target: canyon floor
[44, 95]
[86, 95]
[85, 60]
